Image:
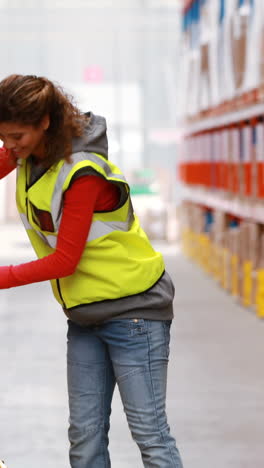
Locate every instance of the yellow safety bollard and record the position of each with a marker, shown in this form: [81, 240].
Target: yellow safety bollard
[195, 249]
[218, 264]
[247, 283]
[207, 252]
[225, 254]
[198, 249]
[210, 257]
[234, 275]
[191, 247]
[260, 294]
[204, 251]
[184, 241]
[190, 244]
[201, 249]
[215, 262]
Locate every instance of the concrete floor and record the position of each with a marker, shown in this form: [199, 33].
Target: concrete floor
[216, 380]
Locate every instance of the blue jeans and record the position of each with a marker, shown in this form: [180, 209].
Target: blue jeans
[134, 354]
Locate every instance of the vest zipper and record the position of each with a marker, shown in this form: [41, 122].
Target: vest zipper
[27, 206]
[60, 294]
[26, 190]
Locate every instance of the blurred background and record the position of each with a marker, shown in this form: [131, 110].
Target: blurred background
[118, 59]
[181, 84]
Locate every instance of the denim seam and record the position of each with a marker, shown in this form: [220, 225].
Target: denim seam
[166, 340]
[150, 373]
[103, 412]
[154, 398]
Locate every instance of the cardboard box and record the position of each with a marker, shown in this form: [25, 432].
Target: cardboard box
[239, 35]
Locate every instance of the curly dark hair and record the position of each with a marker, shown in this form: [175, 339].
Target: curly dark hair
[26, 99]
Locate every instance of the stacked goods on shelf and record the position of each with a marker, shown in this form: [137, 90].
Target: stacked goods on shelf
[260, 280]
[259, 169]
[231, 250]
[220, 72]
[227, 159]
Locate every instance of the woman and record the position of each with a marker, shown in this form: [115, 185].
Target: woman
[76, 208]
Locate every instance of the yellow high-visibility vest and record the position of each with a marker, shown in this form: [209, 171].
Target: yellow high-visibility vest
[118, 259]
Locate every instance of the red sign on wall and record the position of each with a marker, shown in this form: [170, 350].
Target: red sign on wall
[93, 74]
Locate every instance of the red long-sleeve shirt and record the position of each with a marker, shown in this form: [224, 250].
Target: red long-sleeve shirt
[86, 195]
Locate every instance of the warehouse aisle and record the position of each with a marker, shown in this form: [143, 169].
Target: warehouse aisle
[216, 380]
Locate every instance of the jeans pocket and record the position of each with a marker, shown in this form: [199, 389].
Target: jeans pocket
[137, 327]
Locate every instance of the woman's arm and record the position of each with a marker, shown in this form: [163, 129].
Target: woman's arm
[87, 194]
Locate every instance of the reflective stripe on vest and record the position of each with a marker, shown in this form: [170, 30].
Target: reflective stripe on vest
[65, 171]
[49, 240]
[98, 228]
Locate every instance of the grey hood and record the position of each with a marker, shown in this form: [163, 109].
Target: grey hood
[94, 138]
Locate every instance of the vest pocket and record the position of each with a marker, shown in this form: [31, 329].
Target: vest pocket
[42, 218]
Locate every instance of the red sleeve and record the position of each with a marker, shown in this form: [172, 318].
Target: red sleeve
[86, 195]
[7, 163]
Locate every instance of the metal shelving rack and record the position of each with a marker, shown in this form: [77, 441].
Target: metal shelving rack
[245, 106]
[244, 110]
